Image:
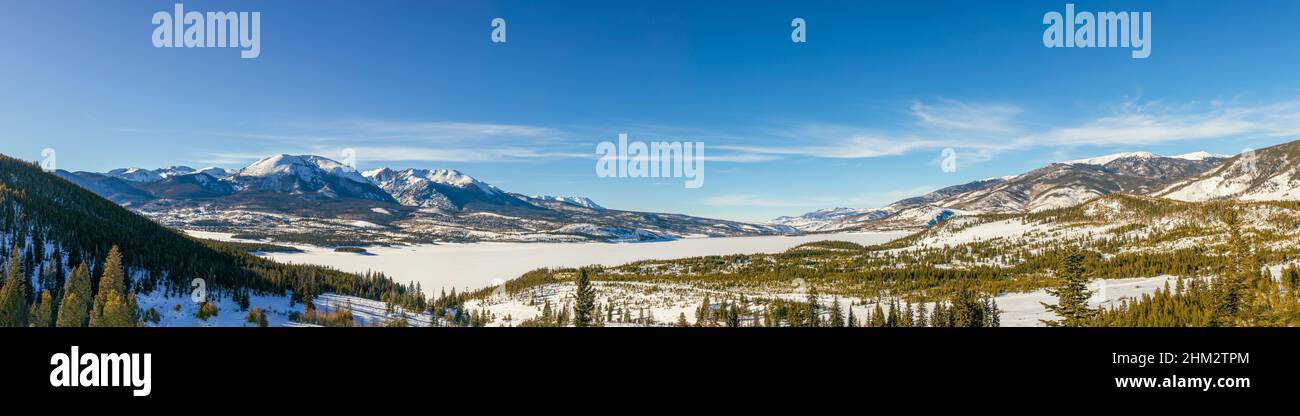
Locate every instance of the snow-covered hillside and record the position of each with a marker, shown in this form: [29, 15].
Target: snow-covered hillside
[1057, 185]
[1269, 174]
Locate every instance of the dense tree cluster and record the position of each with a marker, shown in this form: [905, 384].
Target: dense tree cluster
[48, 225]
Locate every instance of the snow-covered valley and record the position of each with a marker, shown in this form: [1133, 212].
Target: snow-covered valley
[478, 265]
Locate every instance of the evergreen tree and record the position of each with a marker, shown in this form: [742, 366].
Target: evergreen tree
[733, 317]
[940, 317]
[1228, 287]
[891, 320]
[118, 310]
[42, 313]
[1073, 294]
[966, 310]
[920, 320]
[837, 314]
[878, 317]
[13, 296]
[813, 313]
[112, 287]
[992, 315]
[75, 307]
[584, 302]
[703, 313]
[681, 320]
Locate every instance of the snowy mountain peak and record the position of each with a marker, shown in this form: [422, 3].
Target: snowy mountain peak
[572, 200]
[135, 175]
[832, 218]
[386, 177]
[307, 168]
[1202, 155]
[1102, 160]
[216, 172]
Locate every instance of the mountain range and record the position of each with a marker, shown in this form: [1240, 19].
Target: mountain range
[317, 200]
[1266, 174]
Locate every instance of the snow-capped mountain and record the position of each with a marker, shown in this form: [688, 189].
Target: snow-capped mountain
[307, 175]
[192, 185]
[1268, 174]
[832, 218]
[1056, 185]
[579, 201]
[318, 200]
[216, 172]
[443, 189]
[135, 175]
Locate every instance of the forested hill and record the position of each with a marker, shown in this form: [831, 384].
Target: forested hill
[57, 225]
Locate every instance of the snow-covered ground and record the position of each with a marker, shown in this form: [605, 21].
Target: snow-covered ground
[479, 265]
[664, 303]
[179, 311]
[1025, 309]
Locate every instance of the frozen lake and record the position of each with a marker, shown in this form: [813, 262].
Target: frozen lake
[478, 265]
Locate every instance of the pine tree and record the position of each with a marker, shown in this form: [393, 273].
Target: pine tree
[75, 307]
[681, 320]
[702, 315]
[118, 310]
[966, 311]
[1228, 288]
[584, 302]
[853, 320]
[733, 317]
[13, 296]
[992, 315]
[837, 314]
[813, 313]
[42, 313]
[891, 320]
[1073, 294]
[940, 317]
[112, 287]
[878, 317]
[920, 320]
[548, 316]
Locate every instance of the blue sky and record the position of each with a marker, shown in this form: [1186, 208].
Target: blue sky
[857, 116]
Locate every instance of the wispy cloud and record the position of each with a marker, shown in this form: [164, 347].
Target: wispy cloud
[978, 131]
[981, 131]
[956, 115]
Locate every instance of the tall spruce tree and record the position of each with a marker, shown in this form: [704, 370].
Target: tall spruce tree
[878, 317]
[813, 312]
[113, 306]
[1073, 294]
[13, 296]
[74, 309]
[837, 313]
[584, 300]
[1228, 287]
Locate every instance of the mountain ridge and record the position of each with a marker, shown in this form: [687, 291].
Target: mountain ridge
[1056, 185]
[312, 199]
